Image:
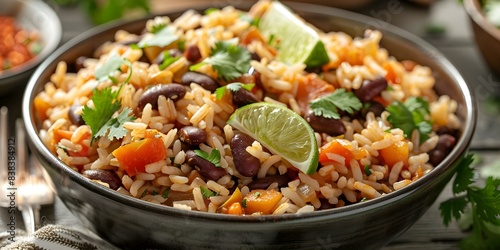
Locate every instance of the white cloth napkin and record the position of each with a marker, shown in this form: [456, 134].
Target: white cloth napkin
[54, 237]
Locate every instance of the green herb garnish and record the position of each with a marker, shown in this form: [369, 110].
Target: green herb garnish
[368, 171]
[214, 156]
[206, 193]
[340, 99]
[165, 193]
[229, 60]
[484, 204]
[161, 38]
[411, 115]
[100, 118]
[109, 67]
[167, 60]
[157, 27]
[234, 87]
[210, 11]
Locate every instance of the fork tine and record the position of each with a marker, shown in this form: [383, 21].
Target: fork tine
[21, 155]
[3, 142]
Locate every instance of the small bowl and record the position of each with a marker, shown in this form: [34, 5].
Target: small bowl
[487, 36]
[32, 16]
[131, 223]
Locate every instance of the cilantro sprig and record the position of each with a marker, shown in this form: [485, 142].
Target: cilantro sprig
[234, 87]
[484, 204]
[214, 156]
[162, 37]
[410, 115]
[329, 105]
[229, 60]
[100, 118]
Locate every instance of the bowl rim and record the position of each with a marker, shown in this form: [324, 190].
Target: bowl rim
[49, 46]
[364, 207]
[476, 13]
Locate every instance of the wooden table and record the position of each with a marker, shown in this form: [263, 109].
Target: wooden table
[456, 43]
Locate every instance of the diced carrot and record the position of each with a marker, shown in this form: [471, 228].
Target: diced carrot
[262, 201]
[235, 197]
[235, 209]
[41, 107]
[391, 75]
[311, 88]
[253, 34]
[337, 146]
[60, 134]
[133, 157]
[381, 100]
[394, 153]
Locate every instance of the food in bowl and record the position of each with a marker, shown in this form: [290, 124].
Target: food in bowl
[209, 113]
[17, 45]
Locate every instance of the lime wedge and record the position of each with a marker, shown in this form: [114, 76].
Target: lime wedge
[280, 130]
[298, 42]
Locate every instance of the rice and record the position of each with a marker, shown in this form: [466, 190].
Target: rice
[357, 171]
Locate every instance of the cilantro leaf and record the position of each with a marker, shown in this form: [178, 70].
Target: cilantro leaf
[214, 156]
[206, 193]
[167, 60]
[465, 175]
[161, 38]
[411, 115]
[100, 118]
[452, 209]
[105, 105]
[115, 125]
[111, 65]
[234, 87]
[229, 60]
[157, 27]
[328, 106]
[487, 201]
[484, 205]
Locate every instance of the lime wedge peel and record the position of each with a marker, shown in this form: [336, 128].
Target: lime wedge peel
[280, 130]
[298, 41]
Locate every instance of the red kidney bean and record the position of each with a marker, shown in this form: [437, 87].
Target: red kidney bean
[246, 164]
[172, 91]
[375, 107]
[106, 176]
[192, 136]
[203, 80]
[444, 146]
[73, 116]
[321, 124]
[243, 97]
[371, 88]
[192, 53]
[206, 168]
[255, 57]
[325, 204]
[264, 183]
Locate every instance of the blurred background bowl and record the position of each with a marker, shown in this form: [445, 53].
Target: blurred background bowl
[487, 36]
[30, 15]
[132, 223]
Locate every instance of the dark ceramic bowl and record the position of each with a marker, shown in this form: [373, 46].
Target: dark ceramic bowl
[486, 35]
[34, 16]
[133, 223]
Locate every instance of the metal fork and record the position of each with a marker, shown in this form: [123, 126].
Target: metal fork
[4, 172]
[33, 189]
